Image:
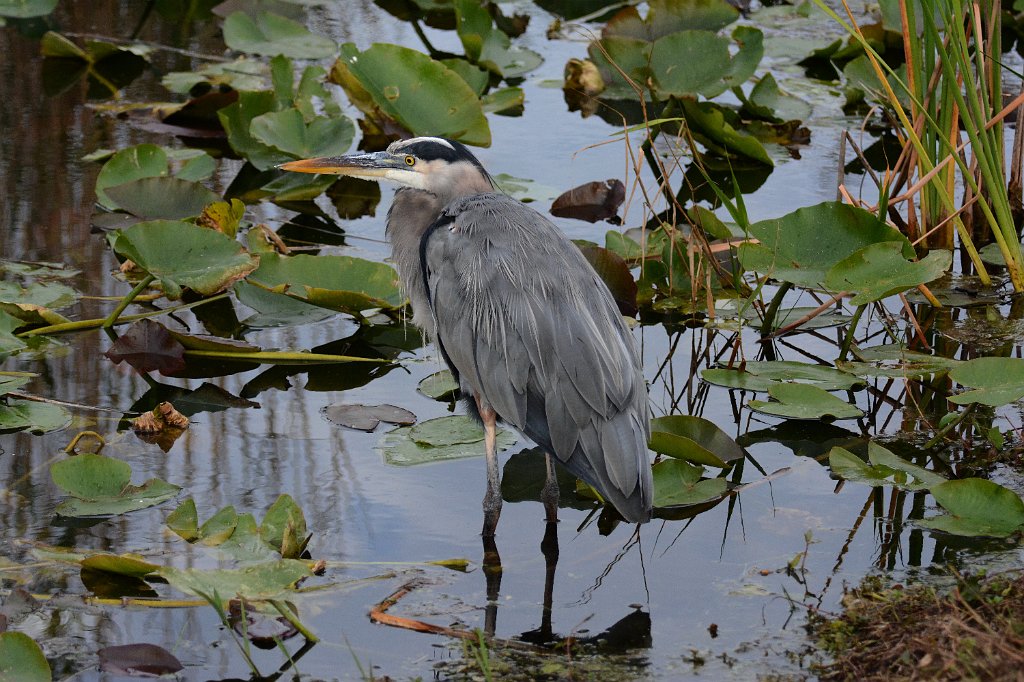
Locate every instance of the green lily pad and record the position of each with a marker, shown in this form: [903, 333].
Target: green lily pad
[21, 659]
[784, 318]
[368, 417]
[802, 247]
[133, 163]
[101, 486]
[341, 283]
[185, 520]
[690, 63]
[695, 440]
[996, 381]
[50, 295]
[401, 449]
[162, 197]
[761, 376]
[25, 9]
[269, 580]
[898, 362]
[489, 47]
[977, 508]
[708, 123]
[236, 120]
[880, 270]
[677, 483]
[420, 93]
[181, 255]
[450, 430]
[12, 382]
[244, 73]
[439, 386]
[506, 101]
[19, 415]
[272, 34]
[803, 401]
[883, 468]
[131, 565]
[288, 132]
[284, 527]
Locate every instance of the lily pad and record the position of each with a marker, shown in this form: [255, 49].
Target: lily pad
[803, 401]
[21, 659]
[677, 483]
[401, 449]
[422, 94]
[591, 201]
[142, 660]
[439, 386]
[101, 486]
[181, 255]
[883, 468]
[786, 317]
[489, 47]
[148, 346]
[133, 163]
[897, 361]
[288, 132]
[284, 527]
[695, 440]
[368, 417]
[766, 100]
[26, 9]
[880, 270]
[977, 508]
[996, 381]
[162, 197]
[342, 283]
[19, 415]
[450, 430]
[14, 298]
[272, 34]
[131, 565]
[269, 580]
[761, 376]
[708, 123]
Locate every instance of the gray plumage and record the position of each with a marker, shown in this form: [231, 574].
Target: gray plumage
[518, 314]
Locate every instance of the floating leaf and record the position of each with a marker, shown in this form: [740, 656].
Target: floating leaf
[288, 132]
[786, 317]
[423, 95]
[368, 417]
[766, 100]
[236, 120]
[401, 449]
[131, 565]
[341, 283]
[133, 163]
[219, 527]
[268, 580]
[880, 270]
[101, 486]
[244, 73]
[25, 9]
[977, 507]
[144, 660]
[488, 46]
[17, 415]
[184, 255]
[591, 201]
[161, 198]
[803, 401]
[677, 483]
[997, 381]
[439, 386]
[185, 520]
[284, 527]
[272, 34]
[762, 375]
[14, 298]
[695, 440]
[21, 659]
[884, 468]
[708, 123]
[148, 346]
[898, 362]
[450, 430]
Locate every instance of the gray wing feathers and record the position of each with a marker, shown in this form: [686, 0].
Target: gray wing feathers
[534, 332]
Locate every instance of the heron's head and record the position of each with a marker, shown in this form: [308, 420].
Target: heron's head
[433, 164]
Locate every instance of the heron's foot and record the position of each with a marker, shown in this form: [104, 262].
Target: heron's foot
[492, 511]
[549, 497]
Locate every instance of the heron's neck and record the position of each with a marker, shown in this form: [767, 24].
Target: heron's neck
[411, 213]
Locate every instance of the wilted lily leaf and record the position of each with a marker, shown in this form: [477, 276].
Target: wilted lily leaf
[368, 417]
[184, 255]
[454, 437]
[883, 468]
[421, 94]
[439, 386]
[708, 123]
[162, 197]
[803, 401]
[18, 415]
[762, 375]
[148, 660]
[21, 659]
[614, 272]
[244, 73]
[976, 508]
[272, 34]
[284, 527]
[148, 346]
[880, 270]
[268, 580]
[997, 381]
[101, 486]
[695, 440]
[131, 565]
[591, 202]
[677, 483]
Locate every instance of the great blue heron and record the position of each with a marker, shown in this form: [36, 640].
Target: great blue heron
[523, 321]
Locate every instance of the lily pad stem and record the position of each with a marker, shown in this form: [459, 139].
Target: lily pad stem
[126, 301]
[848, 341]
[80, 325]
[950, 426]
[773, 309]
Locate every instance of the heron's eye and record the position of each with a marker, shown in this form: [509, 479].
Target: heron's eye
[410, 161]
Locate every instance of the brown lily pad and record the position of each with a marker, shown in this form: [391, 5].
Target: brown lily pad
[592, 201]
[138, 660]
[368, 417]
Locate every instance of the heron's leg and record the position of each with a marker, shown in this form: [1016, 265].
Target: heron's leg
[492, 578]
[549, 548]
[492, 499]
[549, 493]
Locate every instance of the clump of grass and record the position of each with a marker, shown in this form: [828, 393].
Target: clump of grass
[974, 631]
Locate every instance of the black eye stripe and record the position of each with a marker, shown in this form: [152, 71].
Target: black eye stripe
[428, 150]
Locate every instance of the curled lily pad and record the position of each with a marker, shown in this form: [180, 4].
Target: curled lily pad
[803, 401]
[181, 255]
[148, 346]
[710, 126]
[882, 468]
[368, 417]
[976, 507]
[289, 132]
[591, 201]
[101, 486]
[695, 440]
[488, 46]
[21, 659]
[284, 527]
[131, 565]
